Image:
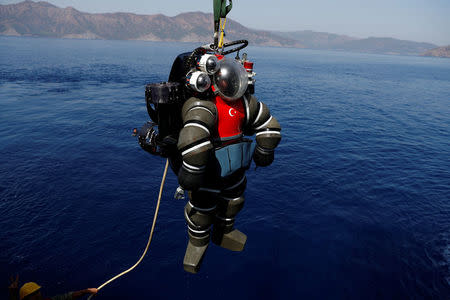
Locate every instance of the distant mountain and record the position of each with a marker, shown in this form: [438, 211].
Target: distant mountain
[42, 19]
[385, 46]
[438, 52]
[329, 41]
[316, 40]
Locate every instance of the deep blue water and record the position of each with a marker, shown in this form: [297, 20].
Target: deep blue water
[355, 206]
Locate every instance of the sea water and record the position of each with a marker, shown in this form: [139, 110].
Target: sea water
[355, 206]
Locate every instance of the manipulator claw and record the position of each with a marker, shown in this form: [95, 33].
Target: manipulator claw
[147, 138]
[179, 193]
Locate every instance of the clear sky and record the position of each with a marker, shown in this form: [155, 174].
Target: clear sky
[417, 20]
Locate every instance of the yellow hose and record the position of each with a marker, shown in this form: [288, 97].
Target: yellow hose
[155, 216]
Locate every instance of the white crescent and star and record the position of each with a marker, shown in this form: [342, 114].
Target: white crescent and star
[232, 112]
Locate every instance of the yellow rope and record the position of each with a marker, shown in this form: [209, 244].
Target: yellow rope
[222, 32]
[149, 238]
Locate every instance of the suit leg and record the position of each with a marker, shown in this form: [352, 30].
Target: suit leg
[199, 214]
[229, 204]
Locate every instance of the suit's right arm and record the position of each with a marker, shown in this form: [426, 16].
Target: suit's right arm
[194, 142]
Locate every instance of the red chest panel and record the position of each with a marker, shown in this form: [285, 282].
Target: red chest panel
[230, 117]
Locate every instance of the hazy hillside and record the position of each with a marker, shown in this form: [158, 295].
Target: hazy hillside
[42, 19]
[316, 40]
[323, 40]
[385, 45]
[438, 52]
[46, 20]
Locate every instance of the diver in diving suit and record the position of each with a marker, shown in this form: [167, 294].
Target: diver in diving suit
[203, 113]
[215, 156]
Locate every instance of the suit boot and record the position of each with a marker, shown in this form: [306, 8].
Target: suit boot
[199, 222]
[195, 251]
[226, 236]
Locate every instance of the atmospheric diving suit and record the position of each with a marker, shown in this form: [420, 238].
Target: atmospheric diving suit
[215, 154]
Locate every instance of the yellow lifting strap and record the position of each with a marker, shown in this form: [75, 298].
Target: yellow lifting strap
[222, 31]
